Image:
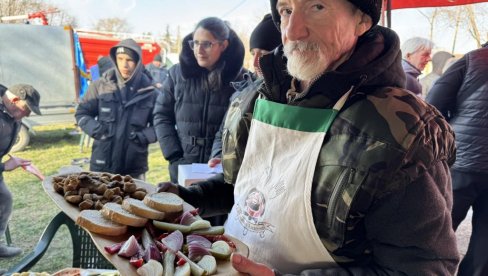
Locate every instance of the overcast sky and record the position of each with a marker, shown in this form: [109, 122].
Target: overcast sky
[154, 15]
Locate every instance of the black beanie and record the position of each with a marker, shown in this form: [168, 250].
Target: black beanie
[158, 57]
[128, 51]
[369, 7]
[265, 36]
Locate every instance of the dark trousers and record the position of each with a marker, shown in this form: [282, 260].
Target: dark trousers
[5, 206]
[470, 189]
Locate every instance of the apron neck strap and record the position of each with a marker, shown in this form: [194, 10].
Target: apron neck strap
[340, 103]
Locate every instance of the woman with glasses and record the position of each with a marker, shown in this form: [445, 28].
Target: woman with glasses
[196, 93]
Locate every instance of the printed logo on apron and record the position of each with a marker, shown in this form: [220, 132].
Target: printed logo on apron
[272, 211]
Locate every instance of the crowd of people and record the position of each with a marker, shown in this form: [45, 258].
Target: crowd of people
[372, 168]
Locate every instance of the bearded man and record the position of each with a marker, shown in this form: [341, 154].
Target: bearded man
[352, 170]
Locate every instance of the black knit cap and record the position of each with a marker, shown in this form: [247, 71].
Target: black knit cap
[369, 7]
[158, 57]
[265, 36]
[127, 51]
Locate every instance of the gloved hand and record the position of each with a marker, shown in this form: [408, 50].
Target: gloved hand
[138, 138]
[168, 187]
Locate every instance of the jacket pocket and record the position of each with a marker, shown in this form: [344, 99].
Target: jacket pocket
[107, 111]
[141, 114]
[342, 194]
[101, 155]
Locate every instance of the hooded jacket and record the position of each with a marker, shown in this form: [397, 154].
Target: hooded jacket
[381, 192]
[461, 95]
[190, 110]
[412, 83]
[117, 113]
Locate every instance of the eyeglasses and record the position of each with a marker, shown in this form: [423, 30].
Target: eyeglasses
[206, 45]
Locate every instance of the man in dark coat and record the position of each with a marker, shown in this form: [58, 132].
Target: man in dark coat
[416, 53]
[117, 113]
[375, 197]
[158, 70]
[16, 102]
[461, 94]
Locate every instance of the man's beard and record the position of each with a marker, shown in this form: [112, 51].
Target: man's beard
[305, 60]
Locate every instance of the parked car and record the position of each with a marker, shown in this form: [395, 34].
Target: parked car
[44, 57]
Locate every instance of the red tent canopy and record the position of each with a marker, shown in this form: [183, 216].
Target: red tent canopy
[404, 4]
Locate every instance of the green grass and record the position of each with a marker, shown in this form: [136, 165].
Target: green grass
[51, 148]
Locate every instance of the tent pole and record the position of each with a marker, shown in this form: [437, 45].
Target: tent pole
[388, 13]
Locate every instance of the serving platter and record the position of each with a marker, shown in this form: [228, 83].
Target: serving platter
[122, 264]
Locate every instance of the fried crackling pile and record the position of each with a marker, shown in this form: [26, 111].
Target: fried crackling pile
[91, 190]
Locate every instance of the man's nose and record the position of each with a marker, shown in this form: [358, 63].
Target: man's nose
[296, 28]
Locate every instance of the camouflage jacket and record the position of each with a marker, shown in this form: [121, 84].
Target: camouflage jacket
[381, 195]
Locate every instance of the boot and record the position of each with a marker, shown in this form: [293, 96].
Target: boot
[9, 251]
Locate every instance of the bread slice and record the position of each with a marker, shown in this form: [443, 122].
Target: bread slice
[115, 213]
[93, 221]
[164, 202]
[137, 207]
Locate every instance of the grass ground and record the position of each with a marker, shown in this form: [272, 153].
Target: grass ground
[52, 148]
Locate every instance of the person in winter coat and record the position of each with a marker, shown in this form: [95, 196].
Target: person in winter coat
[344, 171]
[117, 112]
[196, 93]
[157, 70]
[461, 94]
[416, 53]
[16, 102]
[439, 59]
[264, 39]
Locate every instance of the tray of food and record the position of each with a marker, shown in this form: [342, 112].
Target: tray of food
[139, 231]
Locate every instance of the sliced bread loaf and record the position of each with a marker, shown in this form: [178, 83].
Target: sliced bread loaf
[93, 221]
[115, 213]
[164, 202]
[137, 207]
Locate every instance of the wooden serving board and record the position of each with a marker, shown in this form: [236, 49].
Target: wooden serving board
[122, 264]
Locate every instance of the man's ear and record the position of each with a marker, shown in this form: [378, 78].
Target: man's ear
[363, 25]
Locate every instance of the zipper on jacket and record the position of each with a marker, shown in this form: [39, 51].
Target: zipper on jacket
[204, 124]
[302, 94]
[346, 178]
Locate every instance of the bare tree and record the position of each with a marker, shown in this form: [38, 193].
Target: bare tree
[465, 18]
[51, 13]
[431, 18]
[113, 24]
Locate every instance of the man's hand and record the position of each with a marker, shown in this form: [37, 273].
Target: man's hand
[244, 265]
[168, 187]
[214, 162]
[15, 162]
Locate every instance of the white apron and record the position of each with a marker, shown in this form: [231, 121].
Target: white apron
[272, 210]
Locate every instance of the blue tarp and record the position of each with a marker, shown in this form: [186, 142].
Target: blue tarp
[80, 63]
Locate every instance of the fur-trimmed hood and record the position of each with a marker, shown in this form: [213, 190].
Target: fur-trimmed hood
[233, 57]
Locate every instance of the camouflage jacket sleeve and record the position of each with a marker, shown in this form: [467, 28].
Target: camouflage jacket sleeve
[212, 196]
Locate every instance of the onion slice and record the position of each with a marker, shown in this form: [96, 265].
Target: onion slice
[174, 241]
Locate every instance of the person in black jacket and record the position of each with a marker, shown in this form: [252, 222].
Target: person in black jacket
[196, 93]
[461, 94]
[16, 102]
[117, 113]
[157, 69]
[264, 39]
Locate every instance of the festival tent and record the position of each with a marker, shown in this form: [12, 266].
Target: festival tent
[405, 4]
